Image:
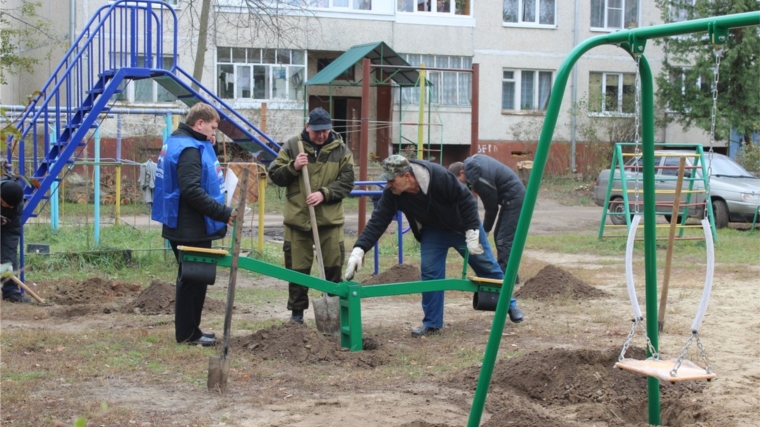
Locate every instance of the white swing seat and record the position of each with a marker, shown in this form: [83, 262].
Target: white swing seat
[688, 371]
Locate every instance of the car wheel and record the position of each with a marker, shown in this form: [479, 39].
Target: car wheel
[720, 212]
[669, 217]
[616, 211]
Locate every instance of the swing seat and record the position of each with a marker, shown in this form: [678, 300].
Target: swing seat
[688, 371]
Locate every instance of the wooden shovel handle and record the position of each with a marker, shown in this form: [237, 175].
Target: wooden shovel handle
[312, 216]
[26, 288]
[237, 231]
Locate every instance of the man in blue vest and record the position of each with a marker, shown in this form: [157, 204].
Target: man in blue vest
[188, 200]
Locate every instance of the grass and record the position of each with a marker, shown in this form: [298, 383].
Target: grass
[567, 190]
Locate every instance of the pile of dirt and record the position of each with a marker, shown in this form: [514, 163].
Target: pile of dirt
[92, 291]
[552, 282]
[583, 379]
[399, 273]
[159, 297]
[302, 345]
[423, 424]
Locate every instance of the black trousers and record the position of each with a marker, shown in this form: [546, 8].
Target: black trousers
[188, 303]
[504, 232]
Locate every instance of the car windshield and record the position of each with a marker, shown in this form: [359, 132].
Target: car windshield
[725, 166]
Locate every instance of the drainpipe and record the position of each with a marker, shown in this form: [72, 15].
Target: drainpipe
[574, 93]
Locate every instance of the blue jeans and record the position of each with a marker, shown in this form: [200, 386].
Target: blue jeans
[434, 247]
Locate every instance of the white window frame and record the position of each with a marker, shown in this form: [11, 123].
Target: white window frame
[517, 78]
[620, 94]
[680, 13]
[128, 87]
[433, 11]
[607, 26]
[410, 95]
[537, 12]
[237, 76]
[682, 78]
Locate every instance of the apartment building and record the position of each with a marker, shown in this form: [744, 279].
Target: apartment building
[518, 46]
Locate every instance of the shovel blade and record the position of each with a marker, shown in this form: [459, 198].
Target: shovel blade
[327, 314]
[218, 371]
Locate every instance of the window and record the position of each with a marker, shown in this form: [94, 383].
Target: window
[612, 93]
[251, 73]
[434, 7]
[338, 4]
[143, 90]
[691, 85]
[541, 12]
[681, 10]
[525, 90]
[447, 87]
[614, 14]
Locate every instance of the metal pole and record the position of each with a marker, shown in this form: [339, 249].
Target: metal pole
[117, 180]
[364, 141]
[475, 116]
[650, 232]
[96, 179]
[420, 129]
[54, 213]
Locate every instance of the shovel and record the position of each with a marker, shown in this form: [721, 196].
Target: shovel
[219, 366]
[326, 308]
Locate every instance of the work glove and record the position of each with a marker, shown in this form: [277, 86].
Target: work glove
[472, 238]
[354, 263]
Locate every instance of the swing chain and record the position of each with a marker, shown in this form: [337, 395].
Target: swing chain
[637, 136]
[713, 117]
[702, 353]
[637, 322]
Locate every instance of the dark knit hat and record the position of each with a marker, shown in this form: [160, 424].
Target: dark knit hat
[12, 192]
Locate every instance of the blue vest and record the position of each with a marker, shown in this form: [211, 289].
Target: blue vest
[166, 188]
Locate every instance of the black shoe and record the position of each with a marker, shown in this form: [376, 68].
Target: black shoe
[203, 341]
[208, 334]
[515, 315]
[425, 330]
[297, 317]
[20, 298]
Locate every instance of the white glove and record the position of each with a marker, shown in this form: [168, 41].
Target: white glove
[354, 263]
[472, 238]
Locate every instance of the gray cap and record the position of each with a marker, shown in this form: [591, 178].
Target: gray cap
[319, 119]
[394, 165]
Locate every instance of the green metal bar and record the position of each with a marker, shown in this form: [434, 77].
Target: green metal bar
[754, 220]
[418, 287]
[539, 163]
[650, 231]
[351, 319]
[283, 273]
[606, 206]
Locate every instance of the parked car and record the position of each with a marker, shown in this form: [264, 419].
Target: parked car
[735, 193]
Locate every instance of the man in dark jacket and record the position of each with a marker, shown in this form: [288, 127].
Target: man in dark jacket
[331, 176]
[442, 214]
[502, 194]
[12, 201]
[188, 200]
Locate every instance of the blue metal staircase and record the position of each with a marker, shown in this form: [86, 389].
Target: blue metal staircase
[123, 41]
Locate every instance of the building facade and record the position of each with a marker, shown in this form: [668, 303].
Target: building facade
[257, 57]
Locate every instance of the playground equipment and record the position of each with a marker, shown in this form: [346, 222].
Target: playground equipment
[349, 294]
[618, 208]
[678, 369]
[634, 42]
[122, 41]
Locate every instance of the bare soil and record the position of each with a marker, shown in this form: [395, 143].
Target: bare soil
[555, 369]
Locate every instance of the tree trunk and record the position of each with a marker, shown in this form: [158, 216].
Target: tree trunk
[200, 53]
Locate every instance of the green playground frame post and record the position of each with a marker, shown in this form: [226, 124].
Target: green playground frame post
[633, 41]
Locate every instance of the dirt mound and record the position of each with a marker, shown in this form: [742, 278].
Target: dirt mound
[92, 291]
[159, 298]
[423, 424]
[300, 344]
[552, 282]
[588, 381]
[399, 273]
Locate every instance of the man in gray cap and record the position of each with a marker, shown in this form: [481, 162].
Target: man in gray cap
[442, 214]
[12, 201]
[331, 175]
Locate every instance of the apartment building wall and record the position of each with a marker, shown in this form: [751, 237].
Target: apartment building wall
[483, 37]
